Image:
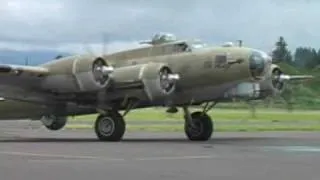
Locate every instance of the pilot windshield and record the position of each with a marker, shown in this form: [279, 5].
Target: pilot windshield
[197, 45]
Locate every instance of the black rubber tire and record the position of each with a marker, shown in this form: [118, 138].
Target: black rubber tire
[118, 129]
[204, 124]
[57, 124]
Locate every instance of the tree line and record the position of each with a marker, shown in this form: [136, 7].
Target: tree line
[302, 57]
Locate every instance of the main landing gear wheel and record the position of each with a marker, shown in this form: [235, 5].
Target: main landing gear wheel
[199, 127]
[110, 127]
[53, 122]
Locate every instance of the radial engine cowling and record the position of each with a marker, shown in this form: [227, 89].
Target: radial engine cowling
[78, 74]
[157, 79]
[273, 82]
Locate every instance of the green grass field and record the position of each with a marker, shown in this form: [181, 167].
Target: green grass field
[225, 120]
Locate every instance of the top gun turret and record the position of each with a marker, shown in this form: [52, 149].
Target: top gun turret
[160, 38]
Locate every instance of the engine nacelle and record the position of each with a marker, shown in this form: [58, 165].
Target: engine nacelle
[157, 79]
[271, 84]
[272, 81]
[77, 74]
[245, 90]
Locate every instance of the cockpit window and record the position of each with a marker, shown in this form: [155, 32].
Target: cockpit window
[163, 38]
[198, 45]
[181, 47]
[187, 46]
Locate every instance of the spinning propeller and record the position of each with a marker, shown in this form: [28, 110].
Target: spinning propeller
[167, 79]
[101, 68]
[282, 84]
[101, 71]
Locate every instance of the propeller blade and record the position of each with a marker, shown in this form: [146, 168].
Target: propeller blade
[26, 61]
[284, 77]
[88, 49]
[288, 98]
[105, 44]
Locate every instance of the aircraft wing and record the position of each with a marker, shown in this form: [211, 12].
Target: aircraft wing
[21, 77]
[21, 70]
[19, 82]
[78, 81]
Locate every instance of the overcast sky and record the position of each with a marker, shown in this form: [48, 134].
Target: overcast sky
[69, 24]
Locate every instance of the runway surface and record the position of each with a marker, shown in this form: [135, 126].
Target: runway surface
[37, 154]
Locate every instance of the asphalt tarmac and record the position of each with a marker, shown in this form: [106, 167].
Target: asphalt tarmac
[37, 154]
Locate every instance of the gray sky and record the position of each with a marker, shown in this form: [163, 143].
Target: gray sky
[69, 24]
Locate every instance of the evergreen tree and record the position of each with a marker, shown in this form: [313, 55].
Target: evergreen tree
[299, 57]
[318, 57]
[281, 52]
[306, 57]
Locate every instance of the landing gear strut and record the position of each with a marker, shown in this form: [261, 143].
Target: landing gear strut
[198, 125]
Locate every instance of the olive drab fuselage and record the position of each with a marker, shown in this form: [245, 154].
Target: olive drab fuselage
[205, 73]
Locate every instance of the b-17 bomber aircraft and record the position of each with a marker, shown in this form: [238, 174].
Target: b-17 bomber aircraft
[167, 72]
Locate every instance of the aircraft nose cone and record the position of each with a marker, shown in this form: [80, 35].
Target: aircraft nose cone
[258, 63]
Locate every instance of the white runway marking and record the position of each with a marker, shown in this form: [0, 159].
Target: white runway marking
[174, 158]
[55, 155]
[67, 158]
[66, 161]
[294, 148]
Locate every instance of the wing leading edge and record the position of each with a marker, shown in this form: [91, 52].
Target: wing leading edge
[9, 69]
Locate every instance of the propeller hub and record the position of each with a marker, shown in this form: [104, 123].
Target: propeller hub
[278, 79]
[101, 70]
[173, 77]
[167, 79]
[105, 69]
